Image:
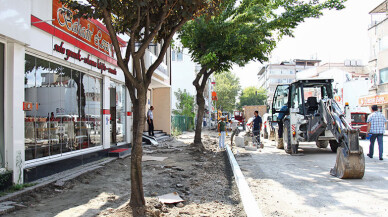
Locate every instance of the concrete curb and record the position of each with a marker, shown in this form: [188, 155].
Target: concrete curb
[250, 205]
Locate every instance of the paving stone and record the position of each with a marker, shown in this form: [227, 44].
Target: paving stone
[6, 209]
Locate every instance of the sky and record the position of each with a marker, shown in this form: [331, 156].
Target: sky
[334, 37]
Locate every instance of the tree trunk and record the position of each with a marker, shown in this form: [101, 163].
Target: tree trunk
[199, 84]
[198, 127]
[137, 202]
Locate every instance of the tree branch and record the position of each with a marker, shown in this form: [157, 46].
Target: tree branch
[137, 66]
[128, 53]
[152, 35]
[143, 68]
[166, 45]
[198, 77]
[115, 42]
[134, 27]
[147, 26]
[205, 77]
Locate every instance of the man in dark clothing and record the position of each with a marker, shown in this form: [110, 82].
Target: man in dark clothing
[256, 125]
[257, 121]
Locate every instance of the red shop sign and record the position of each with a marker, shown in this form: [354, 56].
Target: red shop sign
[83, 29]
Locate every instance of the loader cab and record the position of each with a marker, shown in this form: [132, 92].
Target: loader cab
[302, 96]
[280, 106]
[313, 91]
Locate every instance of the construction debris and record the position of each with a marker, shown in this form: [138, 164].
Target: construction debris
[170, 198]
[152, 158]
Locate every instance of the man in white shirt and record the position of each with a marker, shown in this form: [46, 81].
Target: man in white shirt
[150, 121]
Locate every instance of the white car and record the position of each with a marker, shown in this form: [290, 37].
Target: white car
[267, 128]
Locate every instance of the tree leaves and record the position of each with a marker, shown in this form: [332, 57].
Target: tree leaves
[185, 103]
[227, 88]
[253, 96]
[248, 31]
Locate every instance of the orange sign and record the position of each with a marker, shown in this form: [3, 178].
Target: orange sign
[82, 29]
[27, 106]
[373, 100]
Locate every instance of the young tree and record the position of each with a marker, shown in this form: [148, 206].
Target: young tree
[146, 22]
[253, 96]
[185, 103]
[227, 88]
[241, 33]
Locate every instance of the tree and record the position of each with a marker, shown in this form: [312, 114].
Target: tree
[145, 22]
[227, 88]
[241, 33]
[253, 96]
[185, 103]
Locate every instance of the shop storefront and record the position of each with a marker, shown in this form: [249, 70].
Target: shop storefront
[66, 100]
[66, 97]
[62, 109]
[381, 100]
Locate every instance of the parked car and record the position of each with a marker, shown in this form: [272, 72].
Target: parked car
[359, 121]
[267, 128]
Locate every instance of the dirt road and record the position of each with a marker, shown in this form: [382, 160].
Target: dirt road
[285, 185]
[203, 180]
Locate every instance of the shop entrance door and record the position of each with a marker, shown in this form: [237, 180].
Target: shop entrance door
[113, 115]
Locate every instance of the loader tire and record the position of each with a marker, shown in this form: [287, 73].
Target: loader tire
[265, 134]
[334, 145]
[278, 141]
[287, 137]
[322, 144]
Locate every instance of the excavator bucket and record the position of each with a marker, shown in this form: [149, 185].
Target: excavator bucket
[349, 165]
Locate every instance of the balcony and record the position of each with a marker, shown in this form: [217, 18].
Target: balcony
[379, 14]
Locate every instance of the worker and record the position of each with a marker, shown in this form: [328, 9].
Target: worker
[235, 128]
[256, 126]
[221, 133]
[280, 120]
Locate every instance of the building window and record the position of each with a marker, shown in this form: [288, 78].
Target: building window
[63, 112]
[179, 56]
[383, 76]
[383, 43]
[173, 55]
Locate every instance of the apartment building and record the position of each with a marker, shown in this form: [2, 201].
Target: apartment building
[378, 61]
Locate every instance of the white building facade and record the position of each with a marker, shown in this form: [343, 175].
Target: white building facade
[272, 75]
[183, 73]
[63, 95]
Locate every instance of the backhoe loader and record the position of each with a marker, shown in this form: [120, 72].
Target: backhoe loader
[308, 113]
